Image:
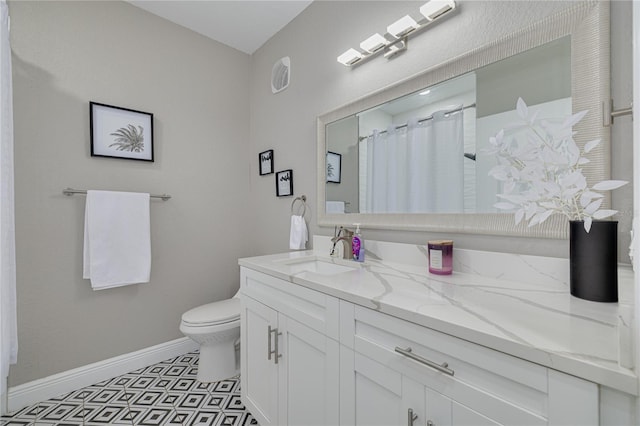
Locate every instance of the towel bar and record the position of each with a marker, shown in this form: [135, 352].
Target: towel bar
[71, 191]
[303, 200]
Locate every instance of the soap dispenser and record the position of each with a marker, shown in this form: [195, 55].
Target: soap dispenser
[357, 245]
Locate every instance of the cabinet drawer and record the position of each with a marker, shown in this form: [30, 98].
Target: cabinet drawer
[502, 387]
[314, 309]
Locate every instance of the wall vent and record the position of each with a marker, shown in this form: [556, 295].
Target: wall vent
[280, 74]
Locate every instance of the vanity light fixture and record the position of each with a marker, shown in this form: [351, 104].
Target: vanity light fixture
[434, 8]
[350, 57]
[374, 43]
[398, 33]
[395, 48]
[403, 27]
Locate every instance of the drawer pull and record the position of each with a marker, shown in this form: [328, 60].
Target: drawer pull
[440, 367]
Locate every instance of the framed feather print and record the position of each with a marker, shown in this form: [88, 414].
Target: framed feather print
[265, 159]
[284, 183]
[120, 132]
[334, 167]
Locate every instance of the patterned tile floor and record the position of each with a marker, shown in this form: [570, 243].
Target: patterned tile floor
[166, 393]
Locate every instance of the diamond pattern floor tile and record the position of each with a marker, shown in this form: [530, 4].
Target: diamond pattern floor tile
[166, 393]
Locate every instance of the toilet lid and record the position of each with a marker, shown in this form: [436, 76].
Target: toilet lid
[213, 313]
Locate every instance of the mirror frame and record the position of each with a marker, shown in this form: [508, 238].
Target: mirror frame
[588, 25]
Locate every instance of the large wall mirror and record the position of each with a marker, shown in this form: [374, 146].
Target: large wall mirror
[375, 168]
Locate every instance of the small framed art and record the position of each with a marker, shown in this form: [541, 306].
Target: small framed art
[120, 132]
[334, 163]
[265, 160]
[284, 183]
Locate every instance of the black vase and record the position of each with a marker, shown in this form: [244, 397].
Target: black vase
[593, 259]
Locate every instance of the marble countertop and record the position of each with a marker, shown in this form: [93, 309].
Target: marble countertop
[523, 309]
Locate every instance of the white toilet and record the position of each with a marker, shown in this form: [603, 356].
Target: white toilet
[216, 327]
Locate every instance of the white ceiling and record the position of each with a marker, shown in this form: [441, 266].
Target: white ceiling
[242, 24]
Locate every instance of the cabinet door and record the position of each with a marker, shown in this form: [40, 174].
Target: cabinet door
[309, 373]
[442, 411]
[463, 416]
[438, 408]
[382, 395]
[259, 378]
[374, 389]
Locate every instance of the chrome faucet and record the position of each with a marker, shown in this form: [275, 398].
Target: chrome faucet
[346, 238]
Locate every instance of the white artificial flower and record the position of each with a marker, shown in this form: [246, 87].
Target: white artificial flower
[542, 175]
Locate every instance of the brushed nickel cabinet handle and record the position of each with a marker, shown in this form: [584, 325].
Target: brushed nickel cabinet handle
[440, 367]
[269, 350]
[411, 417]
[273, 351]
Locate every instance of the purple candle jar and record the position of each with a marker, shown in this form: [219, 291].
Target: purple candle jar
[440, 256]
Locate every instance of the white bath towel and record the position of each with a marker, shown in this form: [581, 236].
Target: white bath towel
[117, 240]
[335, 207]
[298, 235]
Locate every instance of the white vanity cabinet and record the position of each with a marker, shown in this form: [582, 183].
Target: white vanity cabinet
[312, 358]
[397, 372]
[289, 352]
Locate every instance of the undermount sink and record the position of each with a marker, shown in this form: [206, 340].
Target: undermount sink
[317, 266]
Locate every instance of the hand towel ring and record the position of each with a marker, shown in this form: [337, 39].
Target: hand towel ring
[303, 200]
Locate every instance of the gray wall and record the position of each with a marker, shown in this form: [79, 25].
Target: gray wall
[286, 121]
[66, 54]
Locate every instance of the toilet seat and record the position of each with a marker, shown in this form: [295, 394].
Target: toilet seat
[215, 313]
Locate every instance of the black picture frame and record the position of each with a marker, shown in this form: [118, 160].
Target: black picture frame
[334, 167]
[265, 162]
[118, 132]
[284, 183]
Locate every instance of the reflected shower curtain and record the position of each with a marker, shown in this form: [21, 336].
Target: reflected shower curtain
[8, 324]
[417, 168]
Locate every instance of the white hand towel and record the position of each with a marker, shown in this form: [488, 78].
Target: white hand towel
[117, 239]
[298, 234]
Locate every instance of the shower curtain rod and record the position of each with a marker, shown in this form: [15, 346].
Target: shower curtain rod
[473, 105]
[71, 191]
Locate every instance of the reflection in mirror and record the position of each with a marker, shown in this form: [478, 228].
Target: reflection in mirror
[343, 197]
[423, 152]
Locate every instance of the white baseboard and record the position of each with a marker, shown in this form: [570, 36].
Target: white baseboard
[58, 384]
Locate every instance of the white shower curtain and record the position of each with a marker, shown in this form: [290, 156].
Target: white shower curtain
[417, 168]
[386, 157]
[8, 322]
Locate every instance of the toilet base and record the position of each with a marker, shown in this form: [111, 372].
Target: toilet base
[217, 362]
